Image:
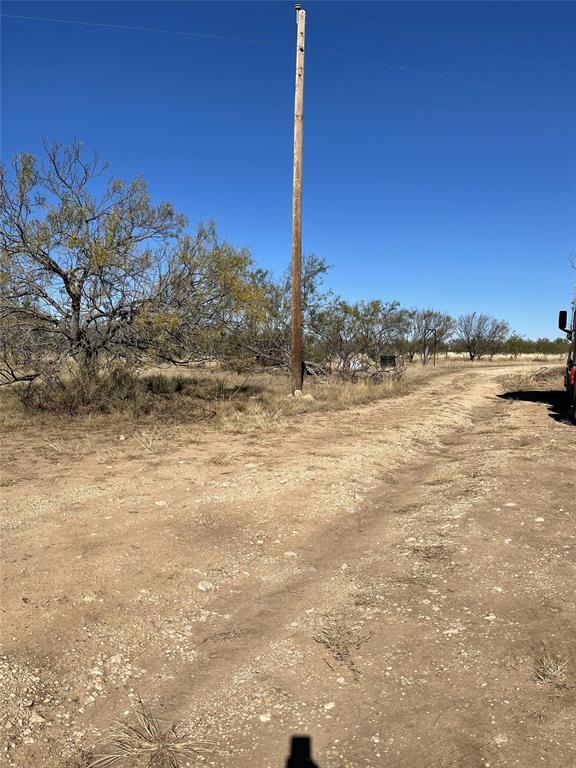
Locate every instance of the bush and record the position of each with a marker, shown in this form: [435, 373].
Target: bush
[77, 390]
[80, 389]
[159, 384]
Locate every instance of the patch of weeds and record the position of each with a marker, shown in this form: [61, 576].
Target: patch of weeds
[147, 740]
[255, 419]
[552, 670]
[341, 639]
[540, 379]
[151, 440]
[75, 389]
[72, 449]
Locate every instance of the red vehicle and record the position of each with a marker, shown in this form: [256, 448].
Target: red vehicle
[570, 331]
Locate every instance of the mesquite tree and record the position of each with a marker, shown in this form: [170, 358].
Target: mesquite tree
[354, 336]
[420, 323]
[481, 334]
[90, 270]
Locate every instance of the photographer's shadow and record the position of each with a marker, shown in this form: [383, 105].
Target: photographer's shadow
[300, 753]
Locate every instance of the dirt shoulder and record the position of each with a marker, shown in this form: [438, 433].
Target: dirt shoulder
[395, 581]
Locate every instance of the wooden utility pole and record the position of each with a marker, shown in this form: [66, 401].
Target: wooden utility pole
[297, 361]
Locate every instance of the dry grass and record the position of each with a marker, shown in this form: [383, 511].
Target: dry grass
[256, 418]
[221, 459]
[174, 406]
[147, 743]
[541, 378]
[151, 441]
[500, 360]
[269, 406]
[335, 395]
[75, 449]
[179, 407]
[552, 670]
[341, 638]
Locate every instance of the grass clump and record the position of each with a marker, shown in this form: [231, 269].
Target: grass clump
[255, 418]
[148, 743]
[552, 670]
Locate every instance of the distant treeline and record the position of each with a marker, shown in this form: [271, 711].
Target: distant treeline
[516, 345]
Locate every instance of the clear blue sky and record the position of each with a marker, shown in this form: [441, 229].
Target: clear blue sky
[439, 138]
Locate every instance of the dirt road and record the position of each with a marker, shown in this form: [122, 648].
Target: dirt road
[396, 582]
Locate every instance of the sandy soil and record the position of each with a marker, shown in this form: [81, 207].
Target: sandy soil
[395, 581]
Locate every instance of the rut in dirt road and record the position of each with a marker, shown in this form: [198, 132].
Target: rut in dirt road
[386, 581]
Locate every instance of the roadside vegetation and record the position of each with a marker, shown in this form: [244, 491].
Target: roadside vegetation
[543, 378]
[99, 287]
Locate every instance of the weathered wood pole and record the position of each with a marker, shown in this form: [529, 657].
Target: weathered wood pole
[297, 361]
